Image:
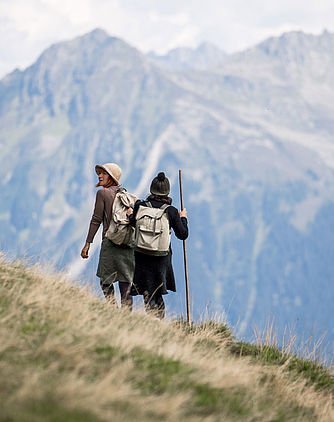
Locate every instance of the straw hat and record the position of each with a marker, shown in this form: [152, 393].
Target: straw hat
[112, 169]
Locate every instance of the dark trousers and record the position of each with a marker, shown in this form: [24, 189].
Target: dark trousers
[155, 304]
[124, 289]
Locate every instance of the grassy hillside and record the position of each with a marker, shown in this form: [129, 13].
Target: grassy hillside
[67, 356]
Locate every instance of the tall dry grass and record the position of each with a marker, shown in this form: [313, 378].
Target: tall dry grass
[66, 354]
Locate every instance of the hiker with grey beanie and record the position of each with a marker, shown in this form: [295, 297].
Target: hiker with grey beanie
[154, 274]
[116, 262]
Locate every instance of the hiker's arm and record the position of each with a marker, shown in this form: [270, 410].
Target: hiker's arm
[132, 216]
[94, 223]
[97, 217]
[179, 223]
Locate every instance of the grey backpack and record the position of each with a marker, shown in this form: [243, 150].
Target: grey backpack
[153, 233]
[120, 231]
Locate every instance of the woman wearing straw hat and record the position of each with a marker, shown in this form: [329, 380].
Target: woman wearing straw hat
[154, 275]
[116, 262]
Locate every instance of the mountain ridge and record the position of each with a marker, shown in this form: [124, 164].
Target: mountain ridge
[267, 45]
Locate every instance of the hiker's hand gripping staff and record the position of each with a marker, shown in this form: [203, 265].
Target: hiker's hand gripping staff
[183, 213]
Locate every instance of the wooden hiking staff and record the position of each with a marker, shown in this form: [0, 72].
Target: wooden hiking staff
[185, 257]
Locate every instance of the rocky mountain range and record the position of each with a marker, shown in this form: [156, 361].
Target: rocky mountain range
[253, 134]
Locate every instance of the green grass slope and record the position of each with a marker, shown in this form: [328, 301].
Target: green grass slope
[67, 356]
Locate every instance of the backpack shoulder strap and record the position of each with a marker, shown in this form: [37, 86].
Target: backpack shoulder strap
[164, 207]
[118, 193]
[120, 190]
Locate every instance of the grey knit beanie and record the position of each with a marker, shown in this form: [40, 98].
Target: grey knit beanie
[160, 185]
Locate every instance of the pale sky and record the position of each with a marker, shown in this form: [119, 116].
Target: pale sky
[27, 27]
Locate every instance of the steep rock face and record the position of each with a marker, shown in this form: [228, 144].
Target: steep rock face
[253, 135]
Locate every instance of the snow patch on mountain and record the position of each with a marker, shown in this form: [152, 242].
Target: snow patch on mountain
[150, 166]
